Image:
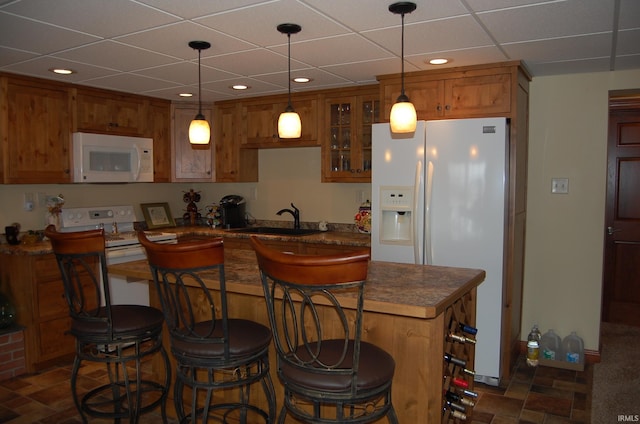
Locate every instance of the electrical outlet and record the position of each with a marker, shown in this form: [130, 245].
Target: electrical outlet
[560, 185]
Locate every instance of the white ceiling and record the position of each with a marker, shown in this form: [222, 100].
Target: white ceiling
[141, 46]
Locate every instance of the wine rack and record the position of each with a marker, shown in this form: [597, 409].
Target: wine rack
[458, 366]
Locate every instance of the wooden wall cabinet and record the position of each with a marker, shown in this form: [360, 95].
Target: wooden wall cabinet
[109, 112]
[159, 129]
[35, 130]
[260, 121]
[191, 162]
[469, 92]
[34, 284]
[232, 163]
[346, 141]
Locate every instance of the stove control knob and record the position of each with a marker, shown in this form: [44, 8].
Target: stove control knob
[110, 213]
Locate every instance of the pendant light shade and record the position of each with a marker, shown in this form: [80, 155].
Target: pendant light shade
[403, 118]
[199, 130]
[289, 125]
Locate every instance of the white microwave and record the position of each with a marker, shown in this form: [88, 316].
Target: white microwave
[101, 158]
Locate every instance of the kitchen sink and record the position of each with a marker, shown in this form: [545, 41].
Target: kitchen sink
[277, 231]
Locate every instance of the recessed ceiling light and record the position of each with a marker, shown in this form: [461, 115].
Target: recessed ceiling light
[438, 61]
[240, 87]
[185, 94]
[302, 80]
[62, 71]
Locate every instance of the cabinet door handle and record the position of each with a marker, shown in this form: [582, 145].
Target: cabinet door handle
[611, 230]
[447, 107]
[439, 108]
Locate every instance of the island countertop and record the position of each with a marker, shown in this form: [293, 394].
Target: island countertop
[419, 291]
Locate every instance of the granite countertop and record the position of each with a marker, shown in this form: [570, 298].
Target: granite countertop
[328, 237]
[419, 291]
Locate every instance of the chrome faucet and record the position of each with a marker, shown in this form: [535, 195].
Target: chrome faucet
[295, 213]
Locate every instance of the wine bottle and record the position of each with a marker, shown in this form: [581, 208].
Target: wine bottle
[453, 360]
[455, 397]
[458, 382]
[467, 392]
[454, 414]
[468, 329]
[459, 362]
[460, 339]
[455, 406]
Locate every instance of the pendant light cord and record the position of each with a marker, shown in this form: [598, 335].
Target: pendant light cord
[200, 85]
[289, 76]
[402, 56]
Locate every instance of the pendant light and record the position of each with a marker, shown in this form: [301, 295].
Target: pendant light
[403, 118]
[199, 130]
[289, 125]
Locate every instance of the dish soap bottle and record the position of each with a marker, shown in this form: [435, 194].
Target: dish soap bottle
[533, 346]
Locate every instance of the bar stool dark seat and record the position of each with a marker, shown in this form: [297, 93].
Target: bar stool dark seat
[120, 336]
[213, 351]
[329, 374]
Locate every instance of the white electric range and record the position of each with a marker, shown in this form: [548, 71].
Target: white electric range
[121, 245]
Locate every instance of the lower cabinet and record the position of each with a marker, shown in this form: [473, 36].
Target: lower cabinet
[34, 284]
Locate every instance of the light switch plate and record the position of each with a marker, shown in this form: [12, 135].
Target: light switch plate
[560, 185]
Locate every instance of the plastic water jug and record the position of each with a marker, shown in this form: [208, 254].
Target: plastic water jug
[550, 345]
[573, 348]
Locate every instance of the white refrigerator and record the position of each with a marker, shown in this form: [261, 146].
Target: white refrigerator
[439, 198]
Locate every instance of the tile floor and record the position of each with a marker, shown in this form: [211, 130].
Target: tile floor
[541, 395]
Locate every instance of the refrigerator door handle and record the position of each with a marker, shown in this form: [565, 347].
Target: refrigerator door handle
[427, 214]
[416, 197]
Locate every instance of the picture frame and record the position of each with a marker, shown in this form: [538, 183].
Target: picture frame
[157, 215]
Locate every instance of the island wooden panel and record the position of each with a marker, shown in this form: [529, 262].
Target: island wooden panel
[408, 312]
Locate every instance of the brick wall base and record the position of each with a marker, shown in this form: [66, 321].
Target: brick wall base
[12, 359]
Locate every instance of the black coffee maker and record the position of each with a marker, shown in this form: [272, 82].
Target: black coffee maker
[233, 211]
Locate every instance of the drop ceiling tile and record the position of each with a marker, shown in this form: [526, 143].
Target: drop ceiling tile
[628, 42]
[629, 14]
[463, 57]
[96, 17]
[549, 20]
[422, 37]
[194, 8]
[40, 67]
[129, 83]
[569, 66]
[9, 56]
[113, 55]
[628, 62]
[254, 62]
[484, 5]
[562, 49]
[375, 13]
[332, 50]
[263, 31]
[185, 73]
[320, 78]
[36, 37]
[360, 72]
[173, 40]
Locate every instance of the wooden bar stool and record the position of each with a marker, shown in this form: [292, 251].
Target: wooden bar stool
[329, 374]
[120, 336]
[213, 351]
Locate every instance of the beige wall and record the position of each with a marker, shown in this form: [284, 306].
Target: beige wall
[563, 262]
[568, 133]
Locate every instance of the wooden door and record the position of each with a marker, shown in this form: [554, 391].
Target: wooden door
[621, 294]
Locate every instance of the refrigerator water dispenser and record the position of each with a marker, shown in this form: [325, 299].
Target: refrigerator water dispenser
[396, 212]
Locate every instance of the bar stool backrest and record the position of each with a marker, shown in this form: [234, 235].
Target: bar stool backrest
[179, 271]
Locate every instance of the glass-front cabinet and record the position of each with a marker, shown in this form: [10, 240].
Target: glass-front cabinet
[347, 144]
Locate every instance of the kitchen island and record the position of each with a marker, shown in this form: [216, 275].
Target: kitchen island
[409, 311]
